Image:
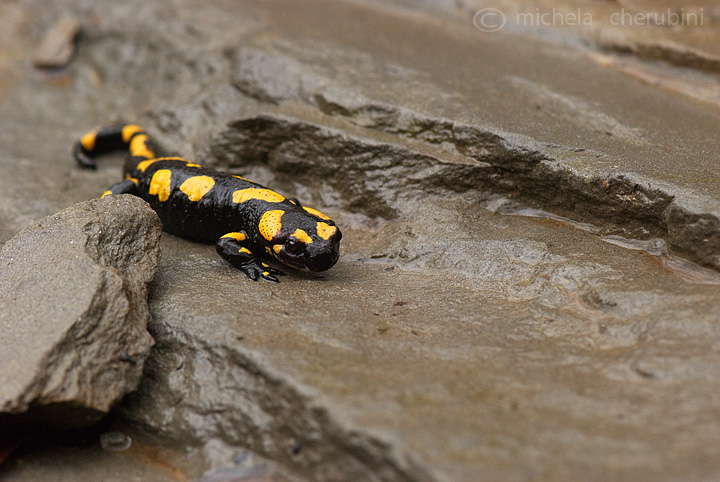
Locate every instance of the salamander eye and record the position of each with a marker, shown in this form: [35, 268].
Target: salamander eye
[295, 247]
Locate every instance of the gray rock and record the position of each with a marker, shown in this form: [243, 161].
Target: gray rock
[58, 45]
[74, 312]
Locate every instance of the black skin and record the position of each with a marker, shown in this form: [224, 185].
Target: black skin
[215, 213]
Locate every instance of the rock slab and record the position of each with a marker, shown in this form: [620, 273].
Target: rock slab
[73, 291]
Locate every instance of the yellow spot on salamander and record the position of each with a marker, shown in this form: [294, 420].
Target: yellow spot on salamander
[317, 213]
[160, 184]
[106, 193]
[142, 165]
[192, 164]
[271, 224]
[172, 158]
[196, 187]
[138, 147]
[245, 251]
[88, 140]
[277, 248]
[133, 179]
[242, 195]
[324, 230]
[302, 236]
[236, 236]
[128, 131]
[240, 177]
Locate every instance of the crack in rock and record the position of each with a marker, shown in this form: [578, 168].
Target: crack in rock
[197, 390]
[373, 175]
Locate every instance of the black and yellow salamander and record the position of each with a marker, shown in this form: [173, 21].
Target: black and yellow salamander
[245, 220]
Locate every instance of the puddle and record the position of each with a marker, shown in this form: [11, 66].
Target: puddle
[682, 268]
[508, 207]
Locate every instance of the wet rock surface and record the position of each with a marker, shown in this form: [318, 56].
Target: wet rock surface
[518, 295]
[74, 298]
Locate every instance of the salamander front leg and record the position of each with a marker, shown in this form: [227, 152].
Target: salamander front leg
[124, 187]
[232, 248]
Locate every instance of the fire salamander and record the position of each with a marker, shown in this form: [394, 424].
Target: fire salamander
[245, 220]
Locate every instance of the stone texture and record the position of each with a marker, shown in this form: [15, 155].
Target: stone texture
[74, 298]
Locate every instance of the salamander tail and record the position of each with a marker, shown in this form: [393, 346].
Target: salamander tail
[103, 141]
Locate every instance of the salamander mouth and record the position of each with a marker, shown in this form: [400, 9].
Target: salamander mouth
[294, 264]
[316, 264]
[325, 262]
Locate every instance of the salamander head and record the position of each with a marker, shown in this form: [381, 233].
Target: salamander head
[301, 237]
